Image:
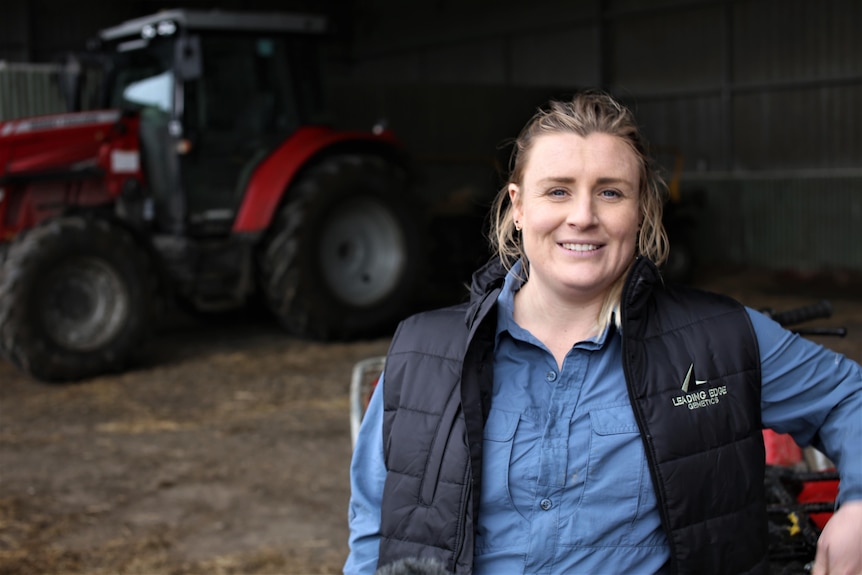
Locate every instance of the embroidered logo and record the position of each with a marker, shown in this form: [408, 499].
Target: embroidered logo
[687, 379]
[697, 398]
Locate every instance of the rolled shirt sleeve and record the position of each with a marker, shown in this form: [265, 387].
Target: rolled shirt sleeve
[815, 395]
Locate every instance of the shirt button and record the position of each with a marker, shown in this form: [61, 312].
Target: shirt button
[545, 504]
[552, 376]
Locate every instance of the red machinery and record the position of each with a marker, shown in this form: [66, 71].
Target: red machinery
[206, 173]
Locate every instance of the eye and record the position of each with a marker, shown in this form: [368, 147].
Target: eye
[610, 193]
[557, 192]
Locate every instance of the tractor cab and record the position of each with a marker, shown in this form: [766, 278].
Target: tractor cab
[215, 93]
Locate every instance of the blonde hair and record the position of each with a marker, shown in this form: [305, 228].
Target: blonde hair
[586, 113]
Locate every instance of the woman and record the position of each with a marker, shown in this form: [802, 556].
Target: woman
[579, 416]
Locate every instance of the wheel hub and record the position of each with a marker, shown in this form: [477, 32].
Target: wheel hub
[85, 304]
[362, 252]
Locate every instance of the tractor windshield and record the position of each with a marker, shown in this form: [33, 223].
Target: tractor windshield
[142, 78]
[136, 78]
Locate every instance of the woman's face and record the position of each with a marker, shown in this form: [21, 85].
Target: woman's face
[579, 212]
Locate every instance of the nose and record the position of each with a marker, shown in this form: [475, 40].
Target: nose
[582, 212]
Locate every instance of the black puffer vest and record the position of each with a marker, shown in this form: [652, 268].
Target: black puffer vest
[692, 368]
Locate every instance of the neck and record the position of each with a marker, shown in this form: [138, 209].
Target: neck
[557, 322]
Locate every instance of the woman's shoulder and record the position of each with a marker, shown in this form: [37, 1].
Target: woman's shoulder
[455, 313]
[432, 327]
[675, 306]
[687, 293]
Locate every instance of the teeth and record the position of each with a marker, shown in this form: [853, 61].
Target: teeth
[580, 247]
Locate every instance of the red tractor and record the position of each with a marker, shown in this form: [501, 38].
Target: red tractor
[208, 175]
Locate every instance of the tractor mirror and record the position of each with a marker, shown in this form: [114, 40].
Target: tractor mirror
[187, 57]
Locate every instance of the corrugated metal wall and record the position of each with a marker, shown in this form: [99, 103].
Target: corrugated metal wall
[765, 108]
[802, 223]
[748, 86]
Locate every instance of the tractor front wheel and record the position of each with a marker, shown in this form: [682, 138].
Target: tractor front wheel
[75, 299]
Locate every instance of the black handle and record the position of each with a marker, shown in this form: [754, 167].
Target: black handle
[802, 314]
[836, 331]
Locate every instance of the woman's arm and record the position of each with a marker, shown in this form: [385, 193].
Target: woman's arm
[367, 475]
[815, 395]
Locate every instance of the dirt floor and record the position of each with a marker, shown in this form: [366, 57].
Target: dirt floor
[226, 451]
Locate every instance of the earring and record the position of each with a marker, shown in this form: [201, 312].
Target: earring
[517, 226]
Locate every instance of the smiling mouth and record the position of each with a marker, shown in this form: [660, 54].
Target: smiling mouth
[580, 247]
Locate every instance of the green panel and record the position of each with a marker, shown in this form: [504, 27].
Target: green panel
[28, 90]
[801, 224]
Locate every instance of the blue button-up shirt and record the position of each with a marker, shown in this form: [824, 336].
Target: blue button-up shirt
[565, 483]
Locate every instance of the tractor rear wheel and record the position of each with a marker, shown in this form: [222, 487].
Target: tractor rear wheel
[75, 299]
[343, 254]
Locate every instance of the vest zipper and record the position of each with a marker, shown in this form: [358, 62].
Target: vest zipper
[635, 276]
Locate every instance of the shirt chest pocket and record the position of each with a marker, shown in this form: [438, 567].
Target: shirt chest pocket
[501, 469]
[617, 492]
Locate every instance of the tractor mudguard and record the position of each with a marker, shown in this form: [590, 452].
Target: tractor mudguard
[276, 173]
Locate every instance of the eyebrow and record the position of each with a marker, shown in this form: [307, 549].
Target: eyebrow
[554, 180]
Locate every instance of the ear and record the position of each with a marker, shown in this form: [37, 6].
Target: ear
[515, 199]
